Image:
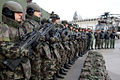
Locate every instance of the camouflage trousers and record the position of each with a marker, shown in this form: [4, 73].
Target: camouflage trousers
[80, 47]
[97, 44]
[85, 44]
[36, 69]
[62, 55]
[76, 48]
[11, 51]
[48, 68]
[63, 58]
[36, 63]
[68, 53]
[72, 51]
[6, 74]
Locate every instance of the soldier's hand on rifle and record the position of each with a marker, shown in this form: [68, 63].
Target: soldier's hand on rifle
[52, 39]
[42, 38]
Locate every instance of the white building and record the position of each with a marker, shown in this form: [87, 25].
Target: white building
[87, 23]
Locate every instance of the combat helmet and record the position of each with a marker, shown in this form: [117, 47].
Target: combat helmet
[10, 7]
[32, 7]
[64, 22]
[54, 17]
[13, 6]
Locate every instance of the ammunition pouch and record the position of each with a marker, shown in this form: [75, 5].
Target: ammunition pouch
[26, 68]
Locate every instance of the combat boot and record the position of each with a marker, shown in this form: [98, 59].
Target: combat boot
[80, 54]
[54, 77]
[62, 72]
[71, 62]
[66, 66]
[76, 57]
[58, 75]
[65, 70]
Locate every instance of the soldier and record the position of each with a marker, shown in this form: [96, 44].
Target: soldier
[33, 15]
[11, 33]
[81, 40]
[107, 37]
[66, 36]
[112, 39]
[79, 43]
[84, 37]
[32, 23]
[58, 48]
[73, 42]
[88, 38]
[65, 23]
[91, 39]
[97, 39]
[102, 38]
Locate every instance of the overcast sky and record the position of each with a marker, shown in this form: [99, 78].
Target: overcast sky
[85, 8]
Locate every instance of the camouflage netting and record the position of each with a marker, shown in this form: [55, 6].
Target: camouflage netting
[94, 67]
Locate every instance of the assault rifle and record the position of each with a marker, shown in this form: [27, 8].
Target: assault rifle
[27, 43]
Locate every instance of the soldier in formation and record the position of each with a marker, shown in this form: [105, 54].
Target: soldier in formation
[14, 61]
[112, 40]
[102, 38]
[34, 51]
[105, 40]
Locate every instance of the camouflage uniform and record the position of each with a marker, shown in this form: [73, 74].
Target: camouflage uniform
[97, 40]
[32, 23]
[10, 36]
[80, 43]
[48, 62]
[91, 40]
[84, 39]
[56, 47]
[65, 43]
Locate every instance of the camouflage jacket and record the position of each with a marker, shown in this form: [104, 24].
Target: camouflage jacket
[97, 36]
[31, 23]
[9, 37]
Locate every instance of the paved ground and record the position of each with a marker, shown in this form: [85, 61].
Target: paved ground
[74, 72]
[112, 59]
